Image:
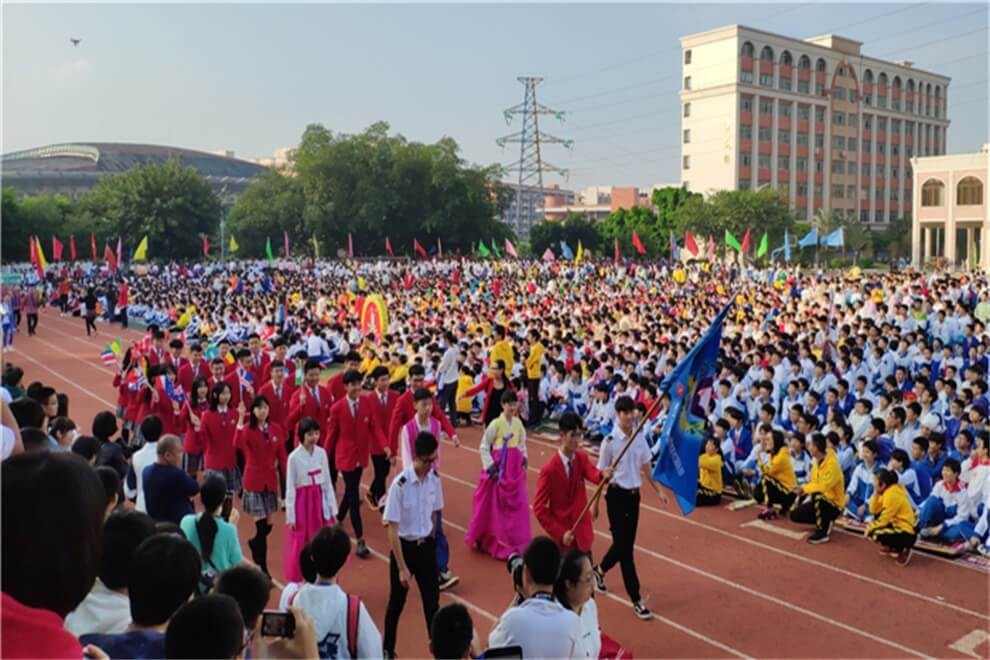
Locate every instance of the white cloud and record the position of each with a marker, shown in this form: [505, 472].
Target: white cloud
[69, 73]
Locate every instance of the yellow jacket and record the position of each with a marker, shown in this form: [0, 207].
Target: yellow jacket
[502, 350]
[779, 468]
[892, 508]
[464, 383]
[534, 360]
[827, 479]
[399, 375]
[710, 472]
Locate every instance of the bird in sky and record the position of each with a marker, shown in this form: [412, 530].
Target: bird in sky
[75, 42]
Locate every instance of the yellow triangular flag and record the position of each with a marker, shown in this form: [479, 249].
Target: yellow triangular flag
[580, 252]
[141, 253]
[233, 244]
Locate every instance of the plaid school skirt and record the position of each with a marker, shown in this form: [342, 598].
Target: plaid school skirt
[260, 505]
[231, 475]
[192, 463]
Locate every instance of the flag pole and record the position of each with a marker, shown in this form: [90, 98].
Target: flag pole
[601, 485]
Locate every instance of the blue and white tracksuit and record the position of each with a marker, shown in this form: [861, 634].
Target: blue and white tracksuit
[950, 508]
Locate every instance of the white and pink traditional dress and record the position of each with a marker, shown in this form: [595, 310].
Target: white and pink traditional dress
[500, 509]
[310, 503]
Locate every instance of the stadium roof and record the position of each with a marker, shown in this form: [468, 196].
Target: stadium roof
[103, 158]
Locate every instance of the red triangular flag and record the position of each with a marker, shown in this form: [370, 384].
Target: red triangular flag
[745, 243]
[57, 248]
[206, 245]
[689, 243]
[419, 248]
[388, 247]
[617, 250]
[32, 252]
[92, 245]
[120, 253]
[110, 258]
[638, 244]
[72, 247]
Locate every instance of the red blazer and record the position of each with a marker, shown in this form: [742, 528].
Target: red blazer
[187, 374]
[171, 419]
[154, 357]
[264, 458]
[234, 381]
[259, 369]
[486, 385]
[559, 500]
[178, 362]
[350, 438]
[383, 415]
[279, 405]
[192, 440]
[318, 411]
[217, 435]
[336, 386]
[123, 391]
[290, 372]
[404, 411]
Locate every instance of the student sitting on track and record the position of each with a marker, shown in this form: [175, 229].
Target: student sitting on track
[709, 475]
[860, 487]
[777, 483]
[945, 515]
[894, 518]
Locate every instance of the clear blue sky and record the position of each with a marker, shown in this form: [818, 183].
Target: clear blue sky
[251, 77]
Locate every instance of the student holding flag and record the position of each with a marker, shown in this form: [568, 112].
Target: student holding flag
[622, 500]
[241, 379]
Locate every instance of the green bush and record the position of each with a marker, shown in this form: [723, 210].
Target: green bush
[867, 262]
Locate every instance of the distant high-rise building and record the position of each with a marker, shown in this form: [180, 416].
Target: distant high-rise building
[534, 199]
[830, 127]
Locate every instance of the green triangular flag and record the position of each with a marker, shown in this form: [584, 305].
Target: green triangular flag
[731, 241]
[498, 253]
[762, 250]
[483, 250]
[268, 249]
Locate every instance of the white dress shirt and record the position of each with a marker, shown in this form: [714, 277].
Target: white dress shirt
[326, 604]
[628, 473]
[542, 628]
[411, 501]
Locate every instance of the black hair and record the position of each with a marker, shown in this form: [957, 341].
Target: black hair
[570, 421]
[312, 364]
[162, 576]
[417, 370]
[329, 550]
[306, 425]
[66, 501]
[27, 412]
[921, 442]
[151, 428]
[104, 425]
[255, 402]
[425, 444]
[352, 376]
[378, 372]
[422, 394]
[110, 479]
[61, 425]
[901, 457]
[952, 464]
[779, 441]
[211, 494]
[818, 440]
[123, 532]
[570, 573]
[307, 565]
[193, 394]
[34, 440]
[215, 393]
[872, 446]
[42, 394]
[624, 404]
[352, 356]
[249, 587]
[86, 446]
[886, 476]
[509, 396]
[451, 632]
[207, 627]
[542, 559]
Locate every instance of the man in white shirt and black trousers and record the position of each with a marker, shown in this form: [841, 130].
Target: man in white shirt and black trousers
[622, 501]
[540, 626]
[412, 506]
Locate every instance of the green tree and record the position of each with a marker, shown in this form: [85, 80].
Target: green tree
[272, 204]
[759, 211]
[573, 228]
[38, 215]
[172, 205]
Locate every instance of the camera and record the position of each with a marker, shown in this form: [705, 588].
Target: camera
[514, 564]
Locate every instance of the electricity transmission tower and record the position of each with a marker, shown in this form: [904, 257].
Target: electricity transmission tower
[531, 165]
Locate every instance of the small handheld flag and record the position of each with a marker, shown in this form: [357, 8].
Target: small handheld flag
[108, 357]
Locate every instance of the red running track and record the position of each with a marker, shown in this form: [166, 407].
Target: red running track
[719, 583]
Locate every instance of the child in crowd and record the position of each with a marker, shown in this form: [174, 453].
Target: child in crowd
[893, 517]
[945, 515]
[800, 459]
[777, 481]
[861, 485]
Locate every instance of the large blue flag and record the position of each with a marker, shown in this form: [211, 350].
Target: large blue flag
[565, 250]
[787, 247]
[689, 386]
[810, 239]
[835, 239]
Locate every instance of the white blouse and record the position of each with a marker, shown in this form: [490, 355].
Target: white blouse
[306, 469]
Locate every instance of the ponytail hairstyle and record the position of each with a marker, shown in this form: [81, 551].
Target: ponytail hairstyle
[212, 494]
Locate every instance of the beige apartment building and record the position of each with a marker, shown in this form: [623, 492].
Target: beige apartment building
[827, 125]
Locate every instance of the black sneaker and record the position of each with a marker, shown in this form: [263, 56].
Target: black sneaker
[642, 611]
[388, 655]
[448, 580]
[600, 580]
[819, 536]
[362, 549]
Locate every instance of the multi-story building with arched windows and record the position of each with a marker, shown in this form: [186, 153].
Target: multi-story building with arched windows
[830, 127]
[950, 194]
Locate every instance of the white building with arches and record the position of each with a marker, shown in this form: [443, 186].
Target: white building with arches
[950, 194]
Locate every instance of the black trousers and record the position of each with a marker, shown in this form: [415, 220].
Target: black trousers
[382, 467]
[90, 323]
[63, 303]
[448, 401]
[769, 492]
[705, 497]
[623, 519]
[123, 317]
[816, 511]
[352, 501]
[421, 560]
[535, 406]
[32, 323]
[892, 537]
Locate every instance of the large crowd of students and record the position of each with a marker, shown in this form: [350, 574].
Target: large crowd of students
[860, 397]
